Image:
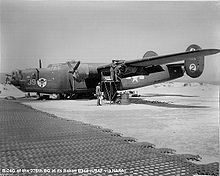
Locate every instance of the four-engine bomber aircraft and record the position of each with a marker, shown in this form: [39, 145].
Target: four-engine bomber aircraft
[73, 78]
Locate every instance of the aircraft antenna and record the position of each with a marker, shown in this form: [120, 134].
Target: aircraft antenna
[40, 63]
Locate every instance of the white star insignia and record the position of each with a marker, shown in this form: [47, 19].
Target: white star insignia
[135, 79]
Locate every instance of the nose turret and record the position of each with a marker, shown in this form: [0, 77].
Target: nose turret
[16, 76]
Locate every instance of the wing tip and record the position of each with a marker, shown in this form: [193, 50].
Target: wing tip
[215, 51]
[218, 50]
[211, 51]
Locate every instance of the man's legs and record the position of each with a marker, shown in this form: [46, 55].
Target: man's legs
[99, 101]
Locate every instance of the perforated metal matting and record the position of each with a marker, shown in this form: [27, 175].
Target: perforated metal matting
[38, 143]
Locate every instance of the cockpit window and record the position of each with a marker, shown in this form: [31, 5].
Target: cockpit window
[55, 67]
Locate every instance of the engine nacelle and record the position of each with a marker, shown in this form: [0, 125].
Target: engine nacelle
[194, 66]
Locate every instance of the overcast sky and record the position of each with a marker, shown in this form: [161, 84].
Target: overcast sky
[57, 31]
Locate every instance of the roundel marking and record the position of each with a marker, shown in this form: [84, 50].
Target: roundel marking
[192, 67]
[42, 82]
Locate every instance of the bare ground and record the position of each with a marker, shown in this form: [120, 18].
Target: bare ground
[185, 118]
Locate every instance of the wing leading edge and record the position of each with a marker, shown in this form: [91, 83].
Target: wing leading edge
[165, 59]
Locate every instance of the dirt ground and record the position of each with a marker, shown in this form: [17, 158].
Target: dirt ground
[184, 117]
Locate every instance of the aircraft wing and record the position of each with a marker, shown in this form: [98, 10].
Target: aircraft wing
[165, 59]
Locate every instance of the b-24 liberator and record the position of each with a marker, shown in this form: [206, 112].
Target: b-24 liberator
[73, 77]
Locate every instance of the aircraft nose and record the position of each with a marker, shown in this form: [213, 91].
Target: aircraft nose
[14, 78]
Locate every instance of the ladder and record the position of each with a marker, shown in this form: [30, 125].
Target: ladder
[110, 88]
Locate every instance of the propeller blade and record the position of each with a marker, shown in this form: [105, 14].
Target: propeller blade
[71, 86]
[69, 65]
[73, 69]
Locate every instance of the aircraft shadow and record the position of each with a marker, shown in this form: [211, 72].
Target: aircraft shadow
[162, 104]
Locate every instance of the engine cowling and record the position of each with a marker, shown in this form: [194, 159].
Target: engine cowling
[194, 66]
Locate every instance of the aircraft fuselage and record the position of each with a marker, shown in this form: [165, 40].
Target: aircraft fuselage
[56, 79]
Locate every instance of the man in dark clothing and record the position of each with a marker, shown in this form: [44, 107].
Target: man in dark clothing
[112, 70]
[98, 95]
[118, 73]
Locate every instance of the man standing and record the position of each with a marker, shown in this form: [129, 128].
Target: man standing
[98, 95]
[112, 70]
[118, 73]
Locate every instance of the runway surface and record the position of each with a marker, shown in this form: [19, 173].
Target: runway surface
[37, 143]
[181, 116]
